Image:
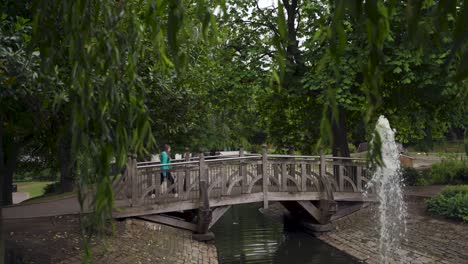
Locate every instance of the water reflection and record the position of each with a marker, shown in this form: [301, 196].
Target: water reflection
[244, 235]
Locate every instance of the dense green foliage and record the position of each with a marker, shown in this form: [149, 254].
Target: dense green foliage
[450, 171]
[84, 83]
[410, 176]
[452, 202]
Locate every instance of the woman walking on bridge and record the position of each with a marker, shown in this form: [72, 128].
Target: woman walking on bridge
[166, 174]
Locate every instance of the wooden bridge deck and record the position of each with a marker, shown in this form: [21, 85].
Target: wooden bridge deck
[237, 180]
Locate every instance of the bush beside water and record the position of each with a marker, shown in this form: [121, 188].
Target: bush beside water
[447, 172]
[52, 188]
[452, 203]
[450, 171]
[411, 176]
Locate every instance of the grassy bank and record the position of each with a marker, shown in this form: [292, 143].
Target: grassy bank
[35, 188]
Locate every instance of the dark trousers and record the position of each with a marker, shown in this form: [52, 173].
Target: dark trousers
[170, 180]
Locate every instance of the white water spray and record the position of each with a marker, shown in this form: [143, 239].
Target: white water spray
[388, 186]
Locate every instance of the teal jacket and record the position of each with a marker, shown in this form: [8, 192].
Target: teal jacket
[165, 160]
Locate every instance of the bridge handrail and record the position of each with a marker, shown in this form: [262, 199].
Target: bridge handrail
[195, 162]
[231, 158]
[193, 158]
[171, 164]
[345, 158]
[292, 156]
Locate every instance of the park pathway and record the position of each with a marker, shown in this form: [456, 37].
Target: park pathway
[428, 239]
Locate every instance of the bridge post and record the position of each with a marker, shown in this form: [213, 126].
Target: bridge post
[327, 205]
[204, 212]
[359, 178]
[132, 173]
[292, 166]
[265, 175]
[242, 172]
[203, 172]
[185, 177]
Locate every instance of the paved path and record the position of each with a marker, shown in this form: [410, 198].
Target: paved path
[423, 191]
[59, 206]
[57, 240]
[146, 242]
[18, 197]
[427, 240]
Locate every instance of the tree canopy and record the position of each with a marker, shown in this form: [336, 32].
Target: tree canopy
[84, 83]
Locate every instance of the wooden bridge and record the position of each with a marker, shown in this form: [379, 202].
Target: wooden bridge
[315, 188]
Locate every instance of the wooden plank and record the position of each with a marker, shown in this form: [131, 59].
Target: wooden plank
[170, 221]
[186, 175]
[134, 180]
[303, 177]
[359, 178]
[241, 199]
[322, 164]
[157, 179]
[353, 197]
[203, 169]
[124, 212]
[224, 182]
[217, 214]
[265, 176]
[284, 178]
[296, 196]
[348, 210]
[312, 210]
[341, 177]
[242, 172]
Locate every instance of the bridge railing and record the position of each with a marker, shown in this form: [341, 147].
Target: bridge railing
[149, 183]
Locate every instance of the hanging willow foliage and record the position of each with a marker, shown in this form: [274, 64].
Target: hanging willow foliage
[96, 47]
[99, 43]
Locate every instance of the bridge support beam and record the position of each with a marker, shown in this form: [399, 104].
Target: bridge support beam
[204, 212]
[217, 214]
[170, 221]
[312, 210]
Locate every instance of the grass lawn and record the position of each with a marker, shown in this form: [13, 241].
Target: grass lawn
[33, 188]
[453, 146]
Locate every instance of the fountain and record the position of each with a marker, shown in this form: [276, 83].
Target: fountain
[388, 187]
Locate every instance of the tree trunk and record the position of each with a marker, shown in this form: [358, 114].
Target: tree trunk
[296, 67]
[8, 156]
[2, 239]
[6, 172]
[65, 163]
[340, 140]
[2, 168]
[2, 163]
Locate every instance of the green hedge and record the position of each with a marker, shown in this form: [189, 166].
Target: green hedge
[452, 202]
[411, 176]
[447, 172]
[450, 171]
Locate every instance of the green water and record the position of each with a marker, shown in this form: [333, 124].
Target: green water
[244, 235]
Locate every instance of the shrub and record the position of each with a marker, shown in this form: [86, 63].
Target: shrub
[410, 176]
[352, 148]
[448, 172]
[452, 203]
[52, 188]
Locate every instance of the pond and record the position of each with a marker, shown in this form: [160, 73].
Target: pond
[245, 235]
